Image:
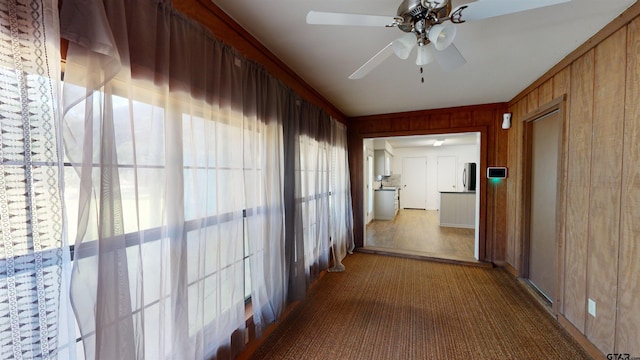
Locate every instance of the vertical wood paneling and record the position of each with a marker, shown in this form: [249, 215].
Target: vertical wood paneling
[628, 322]
[514, 186]
[489, 191]
[356, 172]
[462, 119]
[602, 184]
[532, 101]
[605, 189]
[500, 195]
[545, 92]
[562, 83]
[511, 185]
[519, 213]
[419, 122]
[440, 121]
[578, 183]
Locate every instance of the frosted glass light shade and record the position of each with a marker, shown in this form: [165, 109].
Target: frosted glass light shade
[442, 35]
[403, 45]
[425, 55]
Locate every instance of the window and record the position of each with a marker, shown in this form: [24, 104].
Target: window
[314, 199]
[220, 189]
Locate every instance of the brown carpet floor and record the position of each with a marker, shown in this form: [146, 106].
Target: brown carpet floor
[385, 307]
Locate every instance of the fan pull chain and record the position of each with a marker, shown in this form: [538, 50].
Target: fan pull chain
[421, 77]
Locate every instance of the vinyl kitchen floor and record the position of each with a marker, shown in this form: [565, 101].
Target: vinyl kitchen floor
[417, 233]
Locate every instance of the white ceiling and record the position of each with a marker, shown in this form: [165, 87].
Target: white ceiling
[428, 140]
[504, 54]
[413, 141]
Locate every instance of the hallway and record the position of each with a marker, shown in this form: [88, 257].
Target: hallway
[416, 232]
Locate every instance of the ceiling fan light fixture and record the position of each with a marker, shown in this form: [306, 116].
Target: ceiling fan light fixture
[425, 55]
[442, 35]
[403, 45]
[424, 22]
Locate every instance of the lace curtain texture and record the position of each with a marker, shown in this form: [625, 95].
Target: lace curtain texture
[196, 181]
[35, 318]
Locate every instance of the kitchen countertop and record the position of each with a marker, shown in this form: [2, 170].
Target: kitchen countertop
[457, 192]
[387, 188]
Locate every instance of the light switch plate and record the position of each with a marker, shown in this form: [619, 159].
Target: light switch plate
[592, 308]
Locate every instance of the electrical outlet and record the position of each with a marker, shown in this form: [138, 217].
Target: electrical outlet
[592, 308]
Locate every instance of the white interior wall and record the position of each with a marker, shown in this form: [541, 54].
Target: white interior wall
[463, 154]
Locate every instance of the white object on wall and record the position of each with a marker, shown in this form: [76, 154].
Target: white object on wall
[506, 121]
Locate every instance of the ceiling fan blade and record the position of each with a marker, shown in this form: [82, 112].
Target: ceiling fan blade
[450, 58]
[483, 9]
[372, 63]
[329, 18]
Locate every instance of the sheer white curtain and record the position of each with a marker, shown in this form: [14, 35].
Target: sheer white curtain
[340, 186]
[307, 194]
[35, 320]
[264, 184]
[175, 143]
[321, 221]
[199, 183]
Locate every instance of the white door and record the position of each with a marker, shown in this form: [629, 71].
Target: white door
[413, 194]
[447, 179]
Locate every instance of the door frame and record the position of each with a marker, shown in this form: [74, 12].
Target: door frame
[369, 181]
[488, 250]
[557, 104]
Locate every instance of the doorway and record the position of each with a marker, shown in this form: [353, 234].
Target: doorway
[415, 230]
[543, 149]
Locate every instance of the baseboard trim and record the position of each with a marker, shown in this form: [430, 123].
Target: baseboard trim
[511, 269]
[417, 255]
[591, 349]
[500, 263]
[575, 334]
[564, 323]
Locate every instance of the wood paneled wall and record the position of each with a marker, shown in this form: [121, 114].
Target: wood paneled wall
[485, 119]
[628, 299]
[601, 223]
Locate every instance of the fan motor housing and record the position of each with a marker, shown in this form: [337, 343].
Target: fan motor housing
[412, 11]
[410, 8]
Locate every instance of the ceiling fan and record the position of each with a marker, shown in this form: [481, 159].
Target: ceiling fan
[425, 23]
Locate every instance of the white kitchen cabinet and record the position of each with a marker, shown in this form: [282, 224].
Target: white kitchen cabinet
[385, 203]
[382, 162]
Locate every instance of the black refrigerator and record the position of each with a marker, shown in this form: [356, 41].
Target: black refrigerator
[469, 177]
